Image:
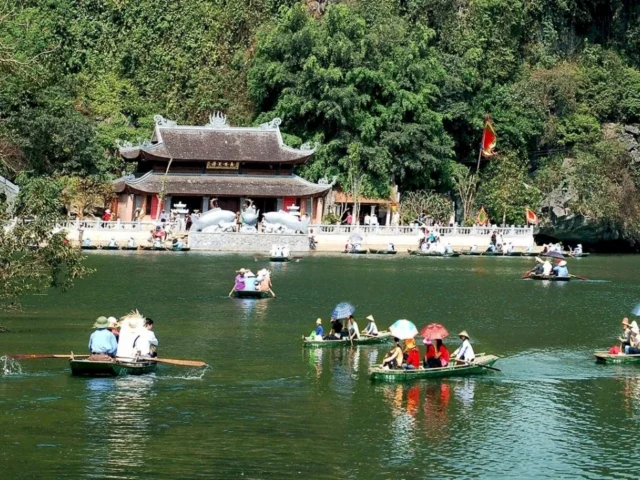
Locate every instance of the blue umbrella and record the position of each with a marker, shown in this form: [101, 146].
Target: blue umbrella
[343, 310]
[636, 310]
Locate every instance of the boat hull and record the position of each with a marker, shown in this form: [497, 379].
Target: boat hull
[86, 368]
[89, 247]
[477, 368]
[279, 259]
[417, 253]
[549, 278]
[355, 252]
[250, 294]
[110, 248]
[162, 249]
[498, 254]
[382, 338]
[606, 357]
[383, 252]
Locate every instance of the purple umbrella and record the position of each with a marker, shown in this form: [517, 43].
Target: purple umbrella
[554, 255]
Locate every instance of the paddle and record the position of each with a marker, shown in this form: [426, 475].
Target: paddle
[29, 356]
[232, 290]
[271, 292]
[182, 363]
[528, 274]
[578, 277]
[479, 365]
[171, 361]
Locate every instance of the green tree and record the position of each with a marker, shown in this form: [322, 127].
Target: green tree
[355, 86]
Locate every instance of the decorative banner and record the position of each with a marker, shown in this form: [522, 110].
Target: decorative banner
[489, 138]
[223, 165]
[531, 217]
[482, 218]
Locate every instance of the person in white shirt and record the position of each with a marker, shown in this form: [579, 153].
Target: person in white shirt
[367, 219]
[465, 351]
[352, 326]
[131, 243]
[145, 345]
[546, 268]
[112, 242]
[391, 247]
[474, 248]
[371, 329]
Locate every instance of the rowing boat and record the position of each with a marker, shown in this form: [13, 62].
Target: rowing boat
[89, 247]
[86, 368]
[498, 254]
[549, 278]
[107, 247]
[383, 337]
[606, 357]
[355, 252]
[577, 255]
[451, 370]
[250, 294]
[382, 252]
[418, 253]
[163, 249]
[279, 259]
[129, 248]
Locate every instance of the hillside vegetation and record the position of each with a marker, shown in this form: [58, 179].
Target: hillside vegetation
[392, 91]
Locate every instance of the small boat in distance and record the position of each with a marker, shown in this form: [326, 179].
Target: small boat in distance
[167, 249]
[355, 252]
[478, 367]
[382, 252]
[419, 253]
[89, 247]
[549, 278]
[606, 357]
[383, 337]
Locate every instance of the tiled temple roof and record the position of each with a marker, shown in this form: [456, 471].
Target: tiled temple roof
[217, 141]
[223, 185]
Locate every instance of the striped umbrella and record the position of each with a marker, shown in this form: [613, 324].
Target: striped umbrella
[343, 310]
[403, 329]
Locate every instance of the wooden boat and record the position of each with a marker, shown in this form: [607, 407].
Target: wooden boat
[498, 254]
[250, 294]
[89, 247]
[129, 248]
[606, 357]
[279, 259]
[451, 370]
[549, 278]
[383, 337]
[82, 367]
[577, 255]
[171, 249]
[107, 247]
[382, 252]
[418, 253]
[355, 252]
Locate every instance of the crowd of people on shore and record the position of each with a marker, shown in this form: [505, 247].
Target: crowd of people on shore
[436, 354]
[132, 337]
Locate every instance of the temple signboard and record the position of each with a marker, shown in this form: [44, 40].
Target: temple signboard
[215, 165]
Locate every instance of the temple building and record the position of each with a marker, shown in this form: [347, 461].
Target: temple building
[216, 161]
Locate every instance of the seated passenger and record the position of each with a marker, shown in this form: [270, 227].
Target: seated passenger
[319, 331]
[371, 329]
[560, 270]
[391, 247]
[412, 359]
[86, 242]
[626, 334]
[430, 359]
[146, 344]
[393, 359]
[352, 328]
[112, 242]
[546, 268]
[102, 343]
[465, 351]
[578, 249]
[474, 248]
[336, 330]
[634, 340]
[131, 243]
[448, 249]
[442, 354]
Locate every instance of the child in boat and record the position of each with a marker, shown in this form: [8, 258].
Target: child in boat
[442, 354]
[393, 359]
[430, 360]
[412, 360]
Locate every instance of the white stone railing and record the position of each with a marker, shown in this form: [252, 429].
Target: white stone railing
[117, 225]
[413, 230]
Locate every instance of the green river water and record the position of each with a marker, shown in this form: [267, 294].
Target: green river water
[268, 409]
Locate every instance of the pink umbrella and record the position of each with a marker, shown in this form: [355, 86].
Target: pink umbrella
[434, 331]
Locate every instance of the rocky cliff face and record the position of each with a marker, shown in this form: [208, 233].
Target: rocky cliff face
[571, 227]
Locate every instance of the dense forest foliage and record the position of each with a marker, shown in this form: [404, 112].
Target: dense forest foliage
[393, 91]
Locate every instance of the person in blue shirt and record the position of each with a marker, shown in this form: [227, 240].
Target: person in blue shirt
[319, 331]
[102, 341]
[561, 270]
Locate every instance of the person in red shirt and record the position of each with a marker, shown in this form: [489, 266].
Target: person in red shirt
[430, 359]
[442, 354]
[412, 361]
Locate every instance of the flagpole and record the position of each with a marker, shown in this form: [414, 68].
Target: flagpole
[484, 131]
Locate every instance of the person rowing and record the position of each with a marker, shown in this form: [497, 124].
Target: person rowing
[352, 328]
[465, 351]
[371, 330]
[561, 270]
[626, 334]
[393, 359]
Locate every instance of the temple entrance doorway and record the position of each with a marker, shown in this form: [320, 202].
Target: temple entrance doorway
[265, 205]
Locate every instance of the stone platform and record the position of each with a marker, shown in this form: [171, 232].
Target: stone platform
[246, 242]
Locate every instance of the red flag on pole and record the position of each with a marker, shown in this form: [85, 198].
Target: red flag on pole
[489, 138]
[532, 218]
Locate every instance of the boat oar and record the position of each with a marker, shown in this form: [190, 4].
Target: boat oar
[528, 274]
[272, 293]
[182, 363]
[578, 277]
[478, 365]
[29, 356]
[232, 290]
